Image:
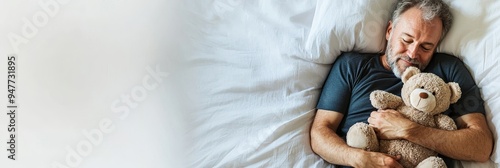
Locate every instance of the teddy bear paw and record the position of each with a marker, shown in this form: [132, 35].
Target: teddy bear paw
[362, 136]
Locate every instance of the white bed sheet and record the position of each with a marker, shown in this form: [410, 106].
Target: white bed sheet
[256, 96]
[257, 68]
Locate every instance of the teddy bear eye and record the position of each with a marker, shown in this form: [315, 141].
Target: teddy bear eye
[434, 93]
[421, 87]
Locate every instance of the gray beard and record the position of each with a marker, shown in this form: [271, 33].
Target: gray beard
[392, 64]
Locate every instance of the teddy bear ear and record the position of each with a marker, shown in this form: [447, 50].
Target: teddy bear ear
[456, 92]
[409, 72]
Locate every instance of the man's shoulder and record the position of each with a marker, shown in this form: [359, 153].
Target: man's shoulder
[444, 57]
[443, 61]
[355, 57]
[446, 66]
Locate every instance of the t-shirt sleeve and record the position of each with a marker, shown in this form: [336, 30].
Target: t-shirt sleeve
[336, 92]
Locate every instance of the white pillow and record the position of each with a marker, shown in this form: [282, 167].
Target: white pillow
[347, 26]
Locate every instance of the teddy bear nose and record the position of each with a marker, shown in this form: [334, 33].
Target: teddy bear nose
[423, 95]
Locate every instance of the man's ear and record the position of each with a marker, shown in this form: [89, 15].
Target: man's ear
[409, 72]
[389, 30]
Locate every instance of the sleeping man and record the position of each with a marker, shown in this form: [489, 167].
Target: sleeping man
[413, 34]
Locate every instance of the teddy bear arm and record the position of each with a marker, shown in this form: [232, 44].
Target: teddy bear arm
[445, 122]
[385, 100]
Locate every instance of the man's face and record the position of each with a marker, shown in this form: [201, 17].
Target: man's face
[411, 42]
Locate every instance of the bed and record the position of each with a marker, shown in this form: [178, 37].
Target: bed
[256, 69]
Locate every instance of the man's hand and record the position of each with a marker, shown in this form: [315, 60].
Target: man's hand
[390, 124]
[376, 160]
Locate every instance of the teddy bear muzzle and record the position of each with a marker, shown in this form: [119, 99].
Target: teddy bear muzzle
[422, 100]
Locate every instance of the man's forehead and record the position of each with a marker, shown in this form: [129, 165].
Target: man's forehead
[412, 23]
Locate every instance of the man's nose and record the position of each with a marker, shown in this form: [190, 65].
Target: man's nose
[412, 51]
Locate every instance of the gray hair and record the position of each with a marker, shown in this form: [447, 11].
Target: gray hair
[430, 10]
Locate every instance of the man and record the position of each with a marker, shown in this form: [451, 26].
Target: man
[413, 34]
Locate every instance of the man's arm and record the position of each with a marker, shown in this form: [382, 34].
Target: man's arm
[472, 141]
[327, 144]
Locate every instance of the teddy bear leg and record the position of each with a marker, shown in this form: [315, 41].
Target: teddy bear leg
[362, 136]
[433, 161]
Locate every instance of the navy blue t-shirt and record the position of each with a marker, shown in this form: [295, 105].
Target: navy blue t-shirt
[355, 75]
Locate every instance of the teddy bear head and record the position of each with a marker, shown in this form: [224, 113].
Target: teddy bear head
[427, 92]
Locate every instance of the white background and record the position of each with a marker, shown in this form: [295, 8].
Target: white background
[83, 57]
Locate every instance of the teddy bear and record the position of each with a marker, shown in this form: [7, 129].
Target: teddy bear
[424, 97]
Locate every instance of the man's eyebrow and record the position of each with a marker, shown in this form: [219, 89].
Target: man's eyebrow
[408, 35]
[423, 43]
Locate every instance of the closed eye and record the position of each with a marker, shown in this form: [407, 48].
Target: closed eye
[406, 41]
[425, 48]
